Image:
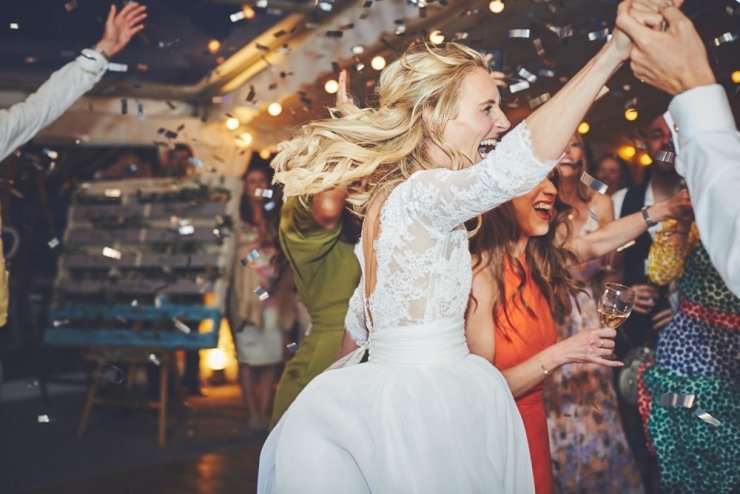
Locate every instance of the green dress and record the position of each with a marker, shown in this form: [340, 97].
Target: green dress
[326, 273]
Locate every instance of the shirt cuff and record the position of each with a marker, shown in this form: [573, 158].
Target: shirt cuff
[93, 61]
[701, 109]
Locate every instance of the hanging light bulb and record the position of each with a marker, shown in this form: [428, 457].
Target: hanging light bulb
[331, 86]
[275, 109]
[436, 37]
[496, 6]
[631, 114]
[214, 45]
[247, 138]
[583, 128]
[378, 63]
[232, 123]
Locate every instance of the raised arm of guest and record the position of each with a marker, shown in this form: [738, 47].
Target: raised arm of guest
[708, 143]
[22, 121]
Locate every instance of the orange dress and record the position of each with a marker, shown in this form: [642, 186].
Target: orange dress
[518, 339]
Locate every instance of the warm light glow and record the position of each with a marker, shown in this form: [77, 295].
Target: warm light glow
[331, 86]
[265, 154]
[232, 123]
[214, 45]
[246, 137]
[627, 152]
[583, 128]
[735, 76]
[248, 11]
[275, 109]
[378, 63]
[436, 37]
[631, 114]
[217, 359]
[645, 160]
[496, 6]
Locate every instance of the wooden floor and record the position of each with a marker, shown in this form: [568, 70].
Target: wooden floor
[209, 449]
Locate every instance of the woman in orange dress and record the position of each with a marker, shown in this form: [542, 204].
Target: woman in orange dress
[521, 284]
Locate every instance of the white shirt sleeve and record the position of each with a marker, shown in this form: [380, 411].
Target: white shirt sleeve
[709, 159]
[618, 201]
[22, 121]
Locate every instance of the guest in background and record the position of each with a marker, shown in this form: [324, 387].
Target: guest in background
[614, 172]
[22, 121]
[128, 164]
[588, 447]
[697, 355]
[179, 162]
[259, 325]
[652, 310]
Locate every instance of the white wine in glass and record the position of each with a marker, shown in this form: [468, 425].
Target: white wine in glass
[615, 304]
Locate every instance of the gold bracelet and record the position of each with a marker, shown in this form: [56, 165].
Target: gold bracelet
[546, 370]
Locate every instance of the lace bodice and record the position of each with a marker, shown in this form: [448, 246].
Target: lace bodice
[423, 264]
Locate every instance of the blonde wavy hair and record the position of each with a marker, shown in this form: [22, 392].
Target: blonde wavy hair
[366, 150]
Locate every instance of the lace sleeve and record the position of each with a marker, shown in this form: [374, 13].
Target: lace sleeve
[441, 199]
[354, 322]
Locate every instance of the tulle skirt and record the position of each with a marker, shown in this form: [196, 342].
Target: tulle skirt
[420, 416]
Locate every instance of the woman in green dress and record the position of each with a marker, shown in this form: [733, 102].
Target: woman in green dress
[317, 236]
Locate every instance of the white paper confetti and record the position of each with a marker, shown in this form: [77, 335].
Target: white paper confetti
[251, 257]
[112, 253]
[53, 243]
[594, 183]
[181, 326]
[261, 293]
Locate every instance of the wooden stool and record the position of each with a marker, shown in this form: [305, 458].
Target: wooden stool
[137, 360]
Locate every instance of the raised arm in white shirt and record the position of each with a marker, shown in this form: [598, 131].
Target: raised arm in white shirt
[708, 157]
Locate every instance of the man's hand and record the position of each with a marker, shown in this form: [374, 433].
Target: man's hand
[674, 60]
[120, 27]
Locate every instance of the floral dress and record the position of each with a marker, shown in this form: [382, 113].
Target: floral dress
[588, 447]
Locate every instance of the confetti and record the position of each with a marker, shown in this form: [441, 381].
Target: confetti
[237, 16]
[724, 38]
[595, 184]
[60, 322]
[70, 6]
[706, 417]
[546, 73]
[44, 419]
[251, 257]
[112, 192]
[117, 67]
[292, 347]
[518, 33]
[186, 229]
[593, 215]
[535, 102]
[112, 253]
[526, 75]
[358, 49]
[124, 106]
[269, 206]
[326, 5]
[626, 246]
[53, 243]
[181, 326]
[109, 373]
[664, 156]
[518, 86]
[154, 359]
[14, 26]
[198, 163]
[261, 293]
[598, 35]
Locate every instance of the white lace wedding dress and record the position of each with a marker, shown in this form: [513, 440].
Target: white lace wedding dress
[423, 415]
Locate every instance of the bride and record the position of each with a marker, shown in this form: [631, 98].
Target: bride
[423, 414]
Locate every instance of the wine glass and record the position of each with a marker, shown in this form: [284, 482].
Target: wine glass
[615, 304]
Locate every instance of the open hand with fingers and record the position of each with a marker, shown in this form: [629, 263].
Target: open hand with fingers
[594, 346]
[120, 27]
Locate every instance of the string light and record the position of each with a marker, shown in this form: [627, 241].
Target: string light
[232, 123]
[214, 45]
[275, 109]
[645, 160]
[331, 86]
[378, 63]
[496, 6]
[436, 37]
[631, 114]
[247, 138]
[735, 76]
[627, 152]
[583, 128]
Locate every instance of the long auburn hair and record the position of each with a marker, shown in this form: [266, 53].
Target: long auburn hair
[546, 257]
[364, 150]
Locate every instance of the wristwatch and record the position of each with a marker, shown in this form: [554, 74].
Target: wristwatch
[646, 216]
